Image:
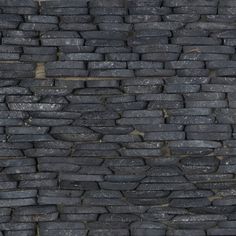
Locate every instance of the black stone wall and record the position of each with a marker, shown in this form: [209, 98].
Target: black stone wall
[149, 155]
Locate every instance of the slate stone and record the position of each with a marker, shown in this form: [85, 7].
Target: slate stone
[77, 26]
[195, 41]
[115, 27]
[112, 73]
[194, 143]
[160, 136]
[100, 11]
[143, 89]
[113, 130]
[144, 65]
[136, 121]
[190, 120]
[36, 26]
[207, 104]
[162, 97]
[108, 19]
[196, 9]
[179, 3]
[204, 96]
[181, 17]
[96, 232]
[185, 88]
[163, 104]
[121, 138]
[193, 72]
[61, 41]
[82, 57]
[34, 107]
[190, 111]
[184, 64]
[146, 10]
[209, 49]
[220, 231]
[57, 11]
[20, 41]
[160, 57]
[112, 49]
[16, 226]
[208, 128]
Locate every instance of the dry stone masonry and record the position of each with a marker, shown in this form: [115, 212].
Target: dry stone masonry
[146, 146]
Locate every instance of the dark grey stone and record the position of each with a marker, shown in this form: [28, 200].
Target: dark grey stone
[62, 41]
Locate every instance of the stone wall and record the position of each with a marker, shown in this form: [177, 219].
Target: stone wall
[117, 118]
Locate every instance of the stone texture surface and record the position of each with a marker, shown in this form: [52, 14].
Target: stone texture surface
[149, 153]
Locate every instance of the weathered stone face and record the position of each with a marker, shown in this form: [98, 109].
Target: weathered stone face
[117, 117]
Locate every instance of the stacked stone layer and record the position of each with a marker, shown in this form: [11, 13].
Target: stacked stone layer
[147, 149]
[119, 38]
